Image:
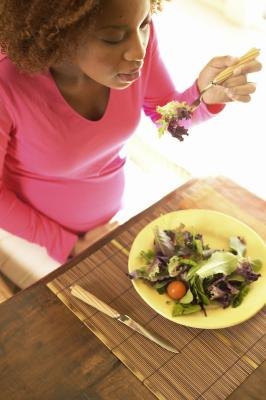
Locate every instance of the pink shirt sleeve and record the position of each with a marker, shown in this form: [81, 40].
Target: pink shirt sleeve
[19, 218]
[160, 88]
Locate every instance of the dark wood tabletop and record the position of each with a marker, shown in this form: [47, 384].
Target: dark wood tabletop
[47, 353]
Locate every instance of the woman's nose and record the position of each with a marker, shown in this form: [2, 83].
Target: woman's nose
[136, 49]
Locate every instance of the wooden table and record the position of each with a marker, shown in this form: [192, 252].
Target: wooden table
[47, 353]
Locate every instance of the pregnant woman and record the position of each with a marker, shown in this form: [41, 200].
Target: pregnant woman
[74, 77]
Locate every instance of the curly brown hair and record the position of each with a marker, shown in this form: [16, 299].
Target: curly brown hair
[39, 33]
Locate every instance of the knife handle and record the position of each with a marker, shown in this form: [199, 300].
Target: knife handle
[93, 301]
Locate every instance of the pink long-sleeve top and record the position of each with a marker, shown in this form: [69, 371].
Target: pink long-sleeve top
[61, 174]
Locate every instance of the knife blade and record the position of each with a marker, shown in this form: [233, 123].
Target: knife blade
[88, 298]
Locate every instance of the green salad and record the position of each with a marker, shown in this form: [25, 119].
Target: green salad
[173, 119]
[194, 275]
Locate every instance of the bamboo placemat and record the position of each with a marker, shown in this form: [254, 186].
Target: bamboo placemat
[211, 363]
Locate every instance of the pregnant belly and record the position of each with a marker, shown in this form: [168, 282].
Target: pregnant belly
[76, 205]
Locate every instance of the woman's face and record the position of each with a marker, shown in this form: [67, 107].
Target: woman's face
[114, 52]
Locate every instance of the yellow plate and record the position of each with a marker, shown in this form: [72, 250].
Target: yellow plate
[216, 229]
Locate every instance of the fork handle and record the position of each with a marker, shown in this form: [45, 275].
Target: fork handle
[227, 72]
[88, 298]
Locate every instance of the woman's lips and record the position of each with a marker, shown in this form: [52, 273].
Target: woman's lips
[129, 77]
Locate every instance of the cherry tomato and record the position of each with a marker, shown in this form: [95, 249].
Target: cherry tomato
[176, 290]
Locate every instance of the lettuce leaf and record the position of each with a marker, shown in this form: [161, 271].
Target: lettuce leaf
[163, 242]
[173, 266]
[183, 309]
[220, 262]
[238, 245]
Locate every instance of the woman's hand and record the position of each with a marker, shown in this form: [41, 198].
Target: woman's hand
[92, 236]
[235, 88]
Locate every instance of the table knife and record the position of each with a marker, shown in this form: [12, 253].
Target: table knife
[87, 297]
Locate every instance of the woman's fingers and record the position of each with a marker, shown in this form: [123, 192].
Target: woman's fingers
[222, 62]
[222, 94]
[240, 74]
[252, 66]
[228, 61]
[241, 93]
[100, 231]
[242, 98]
[235, 81]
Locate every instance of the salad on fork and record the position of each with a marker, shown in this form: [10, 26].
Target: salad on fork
[174, 113]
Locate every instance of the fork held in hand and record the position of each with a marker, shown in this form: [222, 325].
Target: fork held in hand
[225, 74]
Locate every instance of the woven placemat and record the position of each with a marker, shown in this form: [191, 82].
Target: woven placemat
[211, 363]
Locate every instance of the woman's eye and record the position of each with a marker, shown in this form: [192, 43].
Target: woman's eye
[109, 41]
[112, 38]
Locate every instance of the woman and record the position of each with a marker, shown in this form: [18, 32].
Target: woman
[74, 80]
